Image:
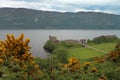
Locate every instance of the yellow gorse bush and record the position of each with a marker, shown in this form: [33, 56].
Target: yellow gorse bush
[87, 63]
[14, 46]
[99, 59]
[115, 54]
[17, 51]
[73, 64]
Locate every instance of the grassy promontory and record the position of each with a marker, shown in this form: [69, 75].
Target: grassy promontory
[98, 45]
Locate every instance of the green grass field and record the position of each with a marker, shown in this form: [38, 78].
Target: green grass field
[84, 53]
[105, 46]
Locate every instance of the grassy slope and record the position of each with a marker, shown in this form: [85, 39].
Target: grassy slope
[105, 46]
[84, 53]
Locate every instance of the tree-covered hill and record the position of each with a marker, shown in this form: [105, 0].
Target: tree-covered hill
[21, 18]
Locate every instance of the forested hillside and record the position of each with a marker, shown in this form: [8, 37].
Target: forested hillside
[21, 18]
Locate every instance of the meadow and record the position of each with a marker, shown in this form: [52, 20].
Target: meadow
[84, 53]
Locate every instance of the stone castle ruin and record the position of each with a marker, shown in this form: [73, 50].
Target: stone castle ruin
[83, 42]
[53, 39]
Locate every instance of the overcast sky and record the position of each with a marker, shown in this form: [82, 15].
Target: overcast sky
[107, 6]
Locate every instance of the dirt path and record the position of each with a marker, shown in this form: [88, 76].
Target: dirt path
[96, 49]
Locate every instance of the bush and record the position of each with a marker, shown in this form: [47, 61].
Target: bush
[61, 54]
[104, 39]
[113, 75]
[50, 46]
[16, 57]
[69, 45]
[115, 55]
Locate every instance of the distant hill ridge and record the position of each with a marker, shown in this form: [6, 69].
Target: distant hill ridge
[21, 18]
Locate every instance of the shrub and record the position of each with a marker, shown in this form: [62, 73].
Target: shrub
[15, 55]
[115, 54]
[69, 45]
[50, 46]
[73, 65]
[113, 75]
[104, 39]
[61, 54]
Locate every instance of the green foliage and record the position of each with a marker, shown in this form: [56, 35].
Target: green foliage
[105, 39]
[50, 46]
[110, 70]
[16, 57]
[42, 62]
[25, 19]
[61, 54]
[104, 46]
[69, 45]
[56, 67]
[56, 61]
[113, 75]
[115, 54]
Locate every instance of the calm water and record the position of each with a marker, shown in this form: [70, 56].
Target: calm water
[39, 37]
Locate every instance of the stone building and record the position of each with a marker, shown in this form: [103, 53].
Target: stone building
[83, 42]
[53, 39]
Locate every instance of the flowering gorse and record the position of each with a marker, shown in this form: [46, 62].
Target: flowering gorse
[115, 54]
[16, 51]
[73, 64]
